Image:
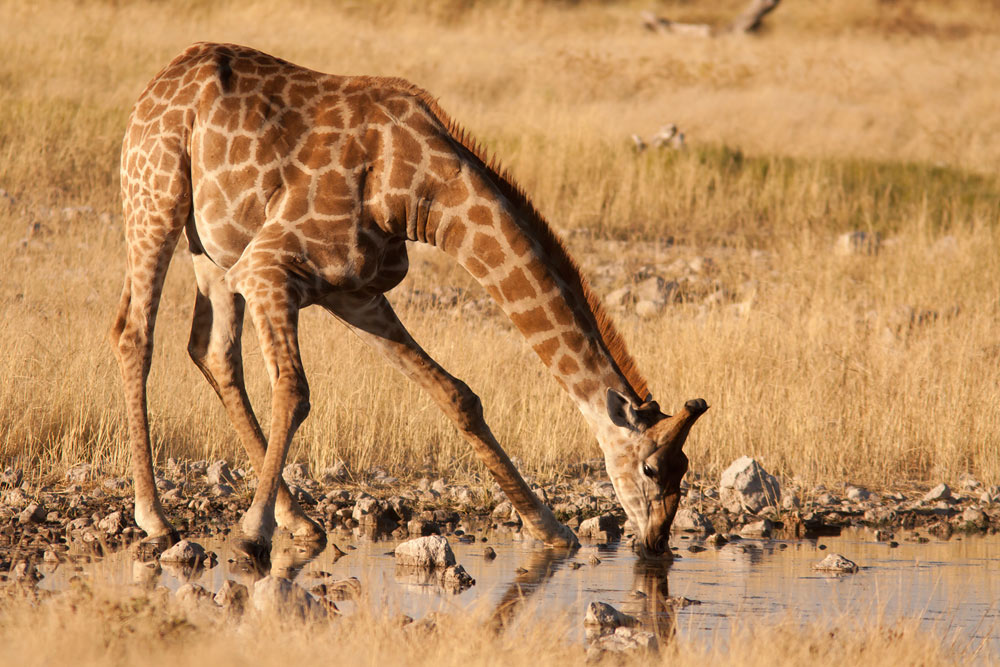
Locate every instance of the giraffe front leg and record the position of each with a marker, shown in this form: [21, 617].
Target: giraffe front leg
[275, 317]
[215, 347]
[374, 321]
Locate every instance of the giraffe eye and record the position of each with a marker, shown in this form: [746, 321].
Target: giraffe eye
[648, 471]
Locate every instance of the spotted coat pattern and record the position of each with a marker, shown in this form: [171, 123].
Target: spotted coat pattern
[295, 188]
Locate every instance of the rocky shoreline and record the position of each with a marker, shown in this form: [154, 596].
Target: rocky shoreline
[86, 515]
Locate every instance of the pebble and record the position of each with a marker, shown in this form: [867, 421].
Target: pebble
[836, 563]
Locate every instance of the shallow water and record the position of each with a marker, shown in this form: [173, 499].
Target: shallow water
[952, 587]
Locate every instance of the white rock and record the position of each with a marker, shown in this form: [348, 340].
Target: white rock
[280, 597]
[690, 521]
[184, 552]
[232, 597]
[836, 563]
[857, 494]
[428, 552]
[603, 615]
[296, 472]
[745, 485]
[456, 579]
[192, 595]
[219, 473]
[112, 524]
[974, 516]
[760, 528]
[939, 492]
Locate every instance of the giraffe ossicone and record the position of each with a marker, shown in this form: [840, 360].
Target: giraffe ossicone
[297, 188]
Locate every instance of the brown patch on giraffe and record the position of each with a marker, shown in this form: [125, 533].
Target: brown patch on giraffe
[585, 388]
[574, 340]
[567, 365]
[404, 145]
[239, 150]
[562, 313]
[531, 321]
[356, 105]
[516, 238]
[398, 106]
[246, 85]
[402, 174]
[444, 167]
[315, 152]
[547, 349]
[396, 205]
[173, 118]
[353, 154]
[516, 286]
[423, 124]
[474, 266]
[480, 215]
[329, 115]
[488, 250]
[230, 237]
[539, 271]
[452, 194]
[296, 204]
[300, 95]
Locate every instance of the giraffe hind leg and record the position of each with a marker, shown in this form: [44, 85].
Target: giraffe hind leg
[215, 347]
[131, 338]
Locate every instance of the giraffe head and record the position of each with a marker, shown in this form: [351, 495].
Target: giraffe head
[645, 462]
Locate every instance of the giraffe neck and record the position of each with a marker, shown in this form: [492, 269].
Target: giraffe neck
[512, 252]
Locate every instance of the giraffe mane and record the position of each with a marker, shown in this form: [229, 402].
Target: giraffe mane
[553, 247]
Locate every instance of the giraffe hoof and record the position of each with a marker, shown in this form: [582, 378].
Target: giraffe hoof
[564, 538]
[151, 547]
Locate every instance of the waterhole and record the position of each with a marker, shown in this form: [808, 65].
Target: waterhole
[950, 587]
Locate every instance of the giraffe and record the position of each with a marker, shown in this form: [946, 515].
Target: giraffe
[296, 188]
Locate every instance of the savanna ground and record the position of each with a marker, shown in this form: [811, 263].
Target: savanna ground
[875, 369]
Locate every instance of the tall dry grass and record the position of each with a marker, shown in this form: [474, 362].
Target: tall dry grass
[872, 369]
[126, 627]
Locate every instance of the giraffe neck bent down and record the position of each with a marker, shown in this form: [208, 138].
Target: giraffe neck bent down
[534, 282]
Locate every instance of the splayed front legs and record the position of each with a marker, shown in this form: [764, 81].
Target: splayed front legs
[373, 319]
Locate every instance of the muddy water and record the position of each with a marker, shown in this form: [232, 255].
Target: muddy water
[951, 587]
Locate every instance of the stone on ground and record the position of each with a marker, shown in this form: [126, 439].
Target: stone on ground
[691, 521]
[604, 616]
[428, 552]
[280, 597]
[219, 473]
[232, 597]
[747, 486]
[836, 563]
[939, 492]
[604, 527]
[184, 552]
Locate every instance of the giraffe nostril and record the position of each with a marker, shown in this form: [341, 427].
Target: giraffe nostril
[661, 545]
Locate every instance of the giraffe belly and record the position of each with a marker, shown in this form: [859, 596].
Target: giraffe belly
[322, 258]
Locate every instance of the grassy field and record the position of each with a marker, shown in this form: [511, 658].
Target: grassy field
[873, 116]
[107, 628]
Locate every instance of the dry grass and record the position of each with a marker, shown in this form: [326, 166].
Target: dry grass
[879, 117]
[128, 628]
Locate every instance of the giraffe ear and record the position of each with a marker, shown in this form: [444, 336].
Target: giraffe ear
[621, 412]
